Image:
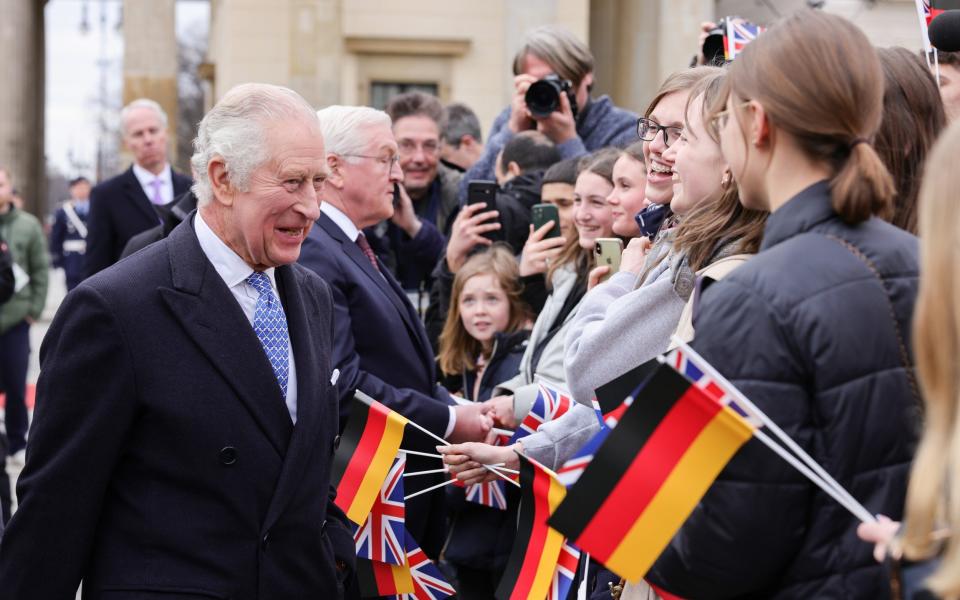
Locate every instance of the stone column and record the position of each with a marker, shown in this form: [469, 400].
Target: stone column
[22, 88]
[150, 58]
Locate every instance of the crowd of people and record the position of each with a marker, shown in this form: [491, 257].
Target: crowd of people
[789, 214]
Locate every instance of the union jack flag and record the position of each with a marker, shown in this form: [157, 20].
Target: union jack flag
[686, 365]
[739, 34]
[566, 572]
[490, 493]
[380, 538]
[550, 404]
[571, 470]
[428, 583]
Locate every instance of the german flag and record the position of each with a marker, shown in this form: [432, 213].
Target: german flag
[651, 472]
[368, 445]
[533, 560]
[380, 579]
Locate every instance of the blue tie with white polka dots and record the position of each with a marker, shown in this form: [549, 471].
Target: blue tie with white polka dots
[270, 325]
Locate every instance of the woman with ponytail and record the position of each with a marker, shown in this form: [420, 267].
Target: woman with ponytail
[814, 329]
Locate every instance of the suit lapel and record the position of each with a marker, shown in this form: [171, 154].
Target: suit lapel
[382, 279]
[139, 198]
[310, 389]
[210, 315]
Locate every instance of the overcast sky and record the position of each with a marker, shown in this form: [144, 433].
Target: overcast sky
[73, 75]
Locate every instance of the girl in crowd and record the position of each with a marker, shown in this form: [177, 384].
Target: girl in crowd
[812, 329]
[932, 514]
[619, 309]
[482, 342]
[567, 276]
[484, 335]
[629, 191]
[913, 117]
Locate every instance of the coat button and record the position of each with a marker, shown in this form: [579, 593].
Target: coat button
[264, 541]
[336, 443]
[228, 455]
[323, 527]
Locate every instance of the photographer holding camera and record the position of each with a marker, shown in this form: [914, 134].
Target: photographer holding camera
[553, 77]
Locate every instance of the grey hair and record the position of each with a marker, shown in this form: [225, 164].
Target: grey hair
[235, 130]
[344, 127]
[142, 103]
[555, 45]
[460, 120]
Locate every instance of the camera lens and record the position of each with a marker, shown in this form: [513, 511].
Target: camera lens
[543, 98]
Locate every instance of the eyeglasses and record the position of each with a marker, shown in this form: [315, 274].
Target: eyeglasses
[429, 148]
[719, 120]
[387, 161]
[648, 129]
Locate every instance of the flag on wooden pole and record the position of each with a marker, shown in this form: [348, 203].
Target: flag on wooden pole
[650, 473]
[368, 445]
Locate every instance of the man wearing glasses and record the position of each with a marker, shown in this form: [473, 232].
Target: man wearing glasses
[380, 346]
[412, 240]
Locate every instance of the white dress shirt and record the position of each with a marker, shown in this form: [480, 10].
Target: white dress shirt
[353, 232]
[234, 273]
[146, 178]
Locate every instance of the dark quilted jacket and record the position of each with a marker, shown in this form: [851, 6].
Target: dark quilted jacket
[807, 332]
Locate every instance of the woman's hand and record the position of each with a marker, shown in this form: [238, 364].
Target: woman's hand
[635, 255]
[880, 534]
[465, 460]
[538, 252]
[596, 275]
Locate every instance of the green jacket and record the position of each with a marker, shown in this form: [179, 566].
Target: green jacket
[24, 235]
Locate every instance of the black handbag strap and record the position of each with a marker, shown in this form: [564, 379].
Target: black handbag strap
[901, 340]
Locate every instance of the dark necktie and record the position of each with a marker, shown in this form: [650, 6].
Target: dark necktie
[368, 251]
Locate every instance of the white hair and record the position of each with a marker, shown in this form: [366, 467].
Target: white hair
[345, 128]
[235, 130]
[142, 103]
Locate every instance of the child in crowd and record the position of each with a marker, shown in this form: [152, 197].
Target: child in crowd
[483, 341]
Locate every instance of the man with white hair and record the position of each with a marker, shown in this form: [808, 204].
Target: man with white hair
[135, 200]
[381, 345]
[185, 420]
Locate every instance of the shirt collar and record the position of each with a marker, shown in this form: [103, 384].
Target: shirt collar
[342, 221]
[145, 177]
[227, 263]
[800, 214]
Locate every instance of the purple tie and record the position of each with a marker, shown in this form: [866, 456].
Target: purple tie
[368, 251]
[157, 196]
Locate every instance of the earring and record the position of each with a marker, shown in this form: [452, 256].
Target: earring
[726, 180]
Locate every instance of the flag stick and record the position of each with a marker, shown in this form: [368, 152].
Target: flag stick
[924, 34]
[505, 432]
[936, 66]
[415, 453]
[860, 511]
[429, 489]
[582, 590]
[427, 472]
[369, 402]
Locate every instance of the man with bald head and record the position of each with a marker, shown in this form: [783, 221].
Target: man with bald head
[185, 421]
[138, 198]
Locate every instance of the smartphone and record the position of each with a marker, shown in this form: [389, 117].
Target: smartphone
[396, 195]
[485, 192]
[607, 252]
[542, 213]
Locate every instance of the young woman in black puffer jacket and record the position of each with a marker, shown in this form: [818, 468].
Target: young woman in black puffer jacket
[814, 329]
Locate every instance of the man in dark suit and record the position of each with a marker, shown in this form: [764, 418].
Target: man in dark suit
[380, 344]
[185, 419]
[136, 199]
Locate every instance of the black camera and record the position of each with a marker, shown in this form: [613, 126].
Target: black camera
[713, 45]
[543, 96]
